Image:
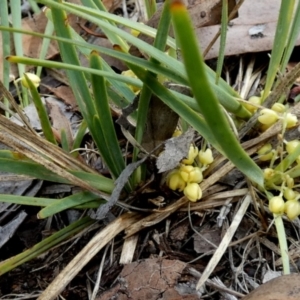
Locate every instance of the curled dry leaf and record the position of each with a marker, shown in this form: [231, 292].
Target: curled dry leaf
[176, 149]
[285, 287]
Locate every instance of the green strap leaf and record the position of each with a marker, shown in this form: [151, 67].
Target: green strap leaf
[205, 97]
[67, 202]
[109, 145]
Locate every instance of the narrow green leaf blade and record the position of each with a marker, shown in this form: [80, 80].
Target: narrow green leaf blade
[205, 97]
[41, 110]
[280, 41]
[221, 55]
[65, 203]
[110, 145]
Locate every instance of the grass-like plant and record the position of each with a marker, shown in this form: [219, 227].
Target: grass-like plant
[97, 86]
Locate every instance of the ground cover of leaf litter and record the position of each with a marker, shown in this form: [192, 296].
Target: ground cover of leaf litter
[172, 248]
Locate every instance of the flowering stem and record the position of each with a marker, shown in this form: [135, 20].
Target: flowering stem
[283, 244]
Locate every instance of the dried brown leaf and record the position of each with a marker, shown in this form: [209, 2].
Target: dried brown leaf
[281, 288]
[151, 279]
[176, 149]
[251, 13]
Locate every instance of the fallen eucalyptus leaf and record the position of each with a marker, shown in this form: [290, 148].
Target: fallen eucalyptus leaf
[285, 287]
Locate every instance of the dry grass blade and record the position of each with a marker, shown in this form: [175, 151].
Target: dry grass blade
[37, 149]
[38, 144]
[128, 249]
[160, 215]
[87, 253]
[16, 107]
[225, 242]
[155, 217]
[228, 194]
[206, 205]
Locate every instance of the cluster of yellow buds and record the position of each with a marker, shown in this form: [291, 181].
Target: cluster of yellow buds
[268, 117]
[287, 204]
[188, 175]
[266, 152]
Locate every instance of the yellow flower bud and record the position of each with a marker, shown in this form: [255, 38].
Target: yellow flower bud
[291, 120]
[193, 152]
[129, 73]
[276, 205]
[265, 153]
[206, 157]
[289, 181]
[191, 174]
[177, 133]
[185, 172]
[291, 146]
[175, 181]
[134, 32]
[193, 192]
[33, 78]
[262, 92]
[289, 194]
[253, 100]
[292, 209]
[264, 127]
[196, 175]
[268, 173]
[278, 107]
[267, 116]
